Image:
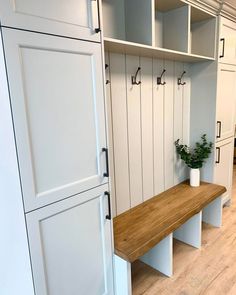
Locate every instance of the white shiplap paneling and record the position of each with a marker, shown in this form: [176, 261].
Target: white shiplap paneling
[134, 131]
[146, 119]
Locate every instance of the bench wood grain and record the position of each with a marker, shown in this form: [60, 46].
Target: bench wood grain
[139, 229]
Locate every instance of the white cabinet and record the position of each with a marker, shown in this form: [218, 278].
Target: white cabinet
[224, 165]
[226, 101]
[70, 246]
[71, 18]
[227, 42]
[56, 89]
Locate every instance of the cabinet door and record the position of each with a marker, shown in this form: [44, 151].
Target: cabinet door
[227, 42]
[70, 246]
[224, 165]
[226, 101]
[72, 18]
[56, 89]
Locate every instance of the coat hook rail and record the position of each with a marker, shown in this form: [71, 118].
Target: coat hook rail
[106, 66]
[134, 78]
[159, 79]
[179, 81]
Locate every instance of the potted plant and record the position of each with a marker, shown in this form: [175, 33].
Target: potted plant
[194, 158]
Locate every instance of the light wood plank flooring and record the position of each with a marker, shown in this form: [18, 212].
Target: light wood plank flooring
[208, 271]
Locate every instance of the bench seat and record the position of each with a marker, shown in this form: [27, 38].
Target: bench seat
[139, 229]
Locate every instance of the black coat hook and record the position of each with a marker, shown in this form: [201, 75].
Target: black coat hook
[179, 80]
[106, 66]
[159, 79]
[134, 78]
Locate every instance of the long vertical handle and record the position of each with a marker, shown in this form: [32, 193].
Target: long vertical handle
[219, 129]
[218, 155]
[223, 49]
[106, 174]
[98, 29]
[108, 216]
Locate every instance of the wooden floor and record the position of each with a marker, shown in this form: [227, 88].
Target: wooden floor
[209, 271]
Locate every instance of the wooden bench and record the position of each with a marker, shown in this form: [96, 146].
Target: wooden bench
[146, 231]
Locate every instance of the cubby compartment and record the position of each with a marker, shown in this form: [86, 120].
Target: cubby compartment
[202, 33]
[171, 25]
[128, 20]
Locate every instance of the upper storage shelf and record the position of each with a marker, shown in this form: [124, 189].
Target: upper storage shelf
[171, 25]
[169, 29]
[202, 33]
[128, 20]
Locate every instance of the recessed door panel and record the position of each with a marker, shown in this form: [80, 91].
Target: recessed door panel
[226, 101]
[70, 18]
[70, 245]
[56, 91]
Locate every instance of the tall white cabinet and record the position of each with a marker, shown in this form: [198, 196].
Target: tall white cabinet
[56, 94]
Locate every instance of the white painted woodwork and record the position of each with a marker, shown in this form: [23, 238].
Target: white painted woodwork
[112, 185]
[160, 257]
[228, 33]
[146, 65]
[129, 20]
[77, 19]
[134, 131]
[191, 231]
[226, 101]
[70, 246]
[212, 213]
[203, 33]
[146, 120]
[15, 270]
[169, 125]
[120, 131]
[224, 169]
[126, 47]
[179, 166]
[122, 269]
[171, 28]
[158, 127]
[58, 112]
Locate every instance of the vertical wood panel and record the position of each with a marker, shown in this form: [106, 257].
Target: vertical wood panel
[134, 131]
[168, 125]
[147, 127]
[110, 134]
[178, 120]
[158, 128]
[120, 135]
[186, 112]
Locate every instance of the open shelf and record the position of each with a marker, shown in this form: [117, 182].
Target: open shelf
[120, 46]
[171, 25]
[128, 20]
[202, 33]
[165, 29]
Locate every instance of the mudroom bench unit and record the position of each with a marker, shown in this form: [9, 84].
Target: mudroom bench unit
[146, 231]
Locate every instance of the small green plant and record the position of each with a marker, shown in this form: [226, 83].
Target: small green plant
[196, 157]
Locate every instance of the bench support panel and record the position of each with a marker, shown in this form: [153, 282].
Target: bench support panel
[212, 213]
[160, 257]
[191, 231]
[122, 276]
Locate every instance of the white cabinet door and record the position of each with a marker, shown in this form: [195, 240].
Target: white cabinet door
[227, 42]
[72, 18]
[226, 101]
[224, 165]
[56, 90]
[71, 246]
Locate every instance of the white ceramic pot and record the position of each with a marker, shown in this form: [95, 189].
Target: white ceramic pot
[194, 177]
